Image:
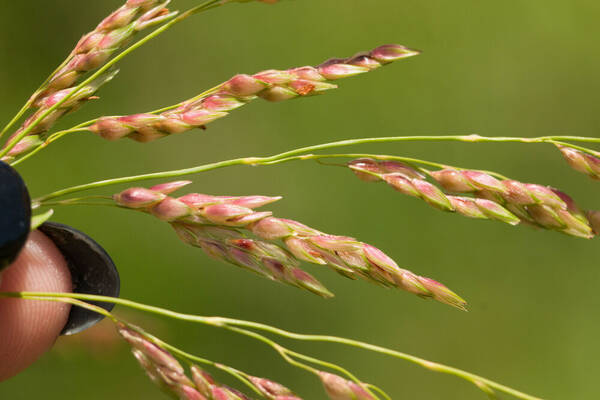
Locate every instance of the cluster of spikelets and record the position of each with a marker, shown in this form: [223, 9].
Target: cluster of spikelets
[91, 52]
[270, 85]
[168, 374]
[96, 47]
[504, 200]
[221, 225]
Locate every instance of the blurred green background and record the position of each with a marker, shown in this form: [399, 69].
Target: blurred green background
[518, 67]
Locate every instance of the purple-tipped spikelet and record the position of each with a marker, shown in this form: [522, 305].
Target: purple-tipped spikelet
[270, 85]
[338, 388]
[215, 224]
[582, 162]
[504, 200]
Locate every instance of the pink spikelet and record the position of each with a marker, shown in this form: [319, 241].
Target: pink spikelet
[582, 162]
[338, 388]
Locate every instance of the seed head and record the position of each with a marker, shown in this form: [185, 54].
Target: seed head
[216, 224]
[270, 85]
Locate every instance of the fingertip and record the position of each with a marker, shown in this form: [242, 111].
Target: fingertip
[28, 328]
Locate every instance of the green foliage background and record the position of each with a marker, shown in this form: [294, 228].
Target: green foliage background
[518, 67]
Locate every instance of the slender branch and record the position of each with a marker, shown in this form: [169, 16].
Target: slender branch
[228, 323]
[296, 152]
[82, 201]
[475, 379]
[156, 175]
[190, 357]
[408, 160]
[573, 146]
[286, 353]
[378, 390]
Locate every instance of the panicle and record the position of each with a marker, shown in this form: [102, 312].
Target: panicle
[91, 52]
[343, 254]
[270, 85]
[216, 223]
[504, 200]
[160, 365]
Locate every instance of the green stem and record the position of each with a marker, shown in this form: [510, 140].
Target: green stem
[190, 357]
[79, 201]
[378, 390]
[286, 353]
[225, 322]
[156, 175]
[199, 8]
[475, 379]
[573, 146]
[297, 152]
[378, 157]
